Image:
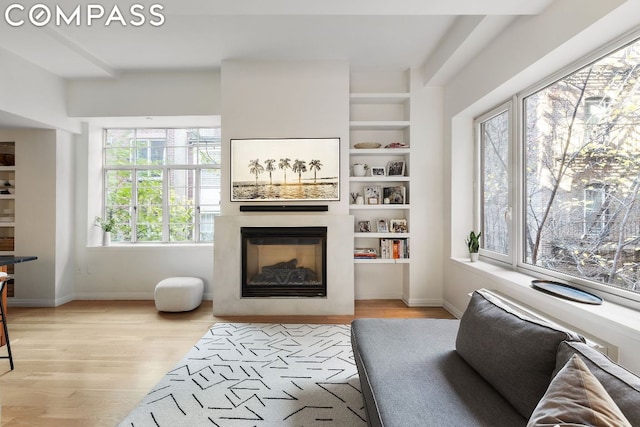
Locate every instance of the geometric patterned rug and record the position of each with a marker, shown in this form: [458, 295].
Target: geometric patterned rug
[259, 374]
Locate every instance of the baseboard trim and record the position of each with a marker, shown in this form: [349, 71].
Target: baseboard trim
[451, 309]
[19, 302]
[422, 302]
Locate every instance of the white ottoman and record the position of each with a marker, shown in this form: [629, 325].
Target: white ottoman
[179, 294]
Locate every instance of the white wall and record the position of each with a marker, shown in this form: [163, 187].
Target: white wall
[121, 271]
[423, 286]
[526, 52]
[280, 99]
[31, 92]
[146, 94]
[64, 217]
[43, 204]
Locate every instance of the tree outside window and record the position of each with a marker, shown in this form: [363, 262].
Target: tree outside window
[582, 172]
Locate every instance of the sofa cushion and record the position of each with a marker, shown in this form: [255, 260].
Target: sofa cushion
[514, 353]
[576, 396]
[411, 375]
[622, 385]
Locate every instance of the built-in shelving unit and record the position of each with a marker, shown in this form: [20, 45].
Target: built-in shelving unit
[7, 204]
[379, 115]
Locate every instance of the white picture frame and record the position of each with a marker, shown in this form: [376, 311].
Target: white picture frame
[398, 225]
[378, 171]
[372, 194]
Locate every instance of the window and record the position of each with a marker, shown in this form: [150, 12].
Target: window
[579, 161]
[162, 185]
[493, 131]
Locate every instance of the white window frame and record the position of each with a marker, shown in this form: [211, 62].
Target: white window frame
[515, 259]
[165, 168]
[508, 214]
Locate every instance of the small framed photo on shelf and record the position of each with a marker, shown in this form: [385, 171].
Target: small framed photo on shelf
[382, 226]
[378, 171]
[372, 195]
[398, 226]
[395, 168]
[397, 195]
[364, 226]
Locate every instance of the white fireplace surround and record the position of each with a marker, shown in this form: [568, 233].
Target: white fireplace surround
[227, 259]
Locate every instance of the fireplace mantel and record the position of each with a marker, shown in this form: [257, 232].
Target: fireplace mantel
[227, 299]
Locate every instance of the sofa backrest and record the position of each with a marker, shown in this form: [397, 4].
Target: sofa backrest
[514, 353]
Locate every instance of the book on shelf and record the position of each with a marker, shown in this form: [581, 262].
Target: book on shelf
[394, 248]
[365, 253]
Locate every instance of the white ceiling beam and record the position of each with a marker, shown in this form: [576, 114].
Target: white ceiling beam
[80, 52]
[459, 45]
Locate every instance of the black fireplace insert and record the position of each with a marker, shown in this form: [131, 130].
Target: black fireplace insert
[284, 261]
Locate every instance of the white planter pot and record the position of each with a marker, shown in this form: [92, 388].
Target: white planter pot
[474, 256]
[359, 170]
[106, 238]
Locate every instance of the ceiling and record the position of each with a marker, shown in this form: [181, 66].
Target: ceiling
[199, 34]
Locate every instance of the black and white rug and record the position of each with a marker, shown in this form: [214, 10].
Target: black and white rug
[258, 374]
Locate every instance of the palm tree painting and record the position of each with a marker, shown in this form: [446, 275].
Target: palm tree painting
[300, 167]
[270, 168]
[284, 165]
[317, 164]
[256, 168]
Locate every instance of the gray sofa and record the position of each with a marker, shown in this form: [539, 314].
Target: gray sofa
[493, 367]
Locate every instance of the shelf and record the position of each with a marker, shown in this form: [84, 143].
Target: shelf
[382, 261]
[7, 168]
[379, 151]
[379, 98]
[379, 125]
[378, 207]
[7, 196]
[7, 224]
[382, 178]
[359, 235]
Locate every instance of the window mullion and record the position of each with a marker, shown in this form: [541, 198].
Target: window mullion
[165, 204]
[196, 203]
[134, 206]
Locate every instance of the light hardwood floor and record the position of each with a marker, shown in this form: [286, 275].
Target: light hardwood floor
[88, 363]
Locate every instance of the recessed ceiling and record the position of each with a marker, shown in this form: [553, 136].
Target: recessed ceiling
[199, 34]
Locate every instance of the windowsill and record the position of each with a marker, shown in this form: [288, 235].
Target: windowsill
[133, 246]
[593, 321]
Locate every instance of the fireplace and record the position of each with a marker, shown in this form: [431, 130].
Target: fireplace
[284, 261]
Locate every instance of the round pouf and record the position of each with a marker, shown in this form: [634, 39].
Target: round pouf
[179, 294]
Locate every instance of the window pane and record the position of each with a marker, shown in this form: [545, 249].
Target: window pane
[181, 205]
[207, 143]
[582, 154]
[149, 205]
[209, 202]
[118, 202]
[118, 146]
[495, 183]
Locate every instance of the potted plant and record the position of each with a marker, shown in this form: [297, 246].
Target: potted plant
[473, 244]
[107, 226]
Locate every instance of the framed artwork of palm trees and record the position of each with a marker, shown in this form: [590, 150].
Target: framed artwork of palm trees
[287, 169]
